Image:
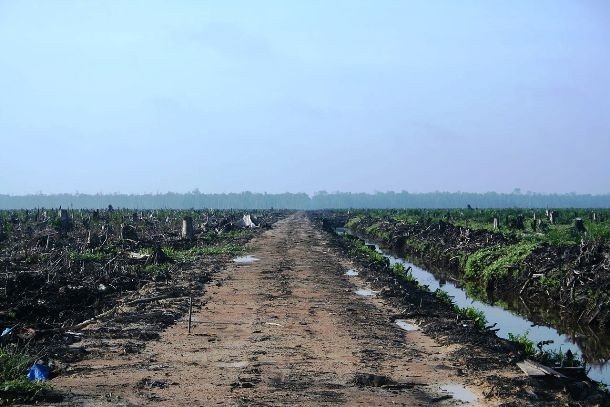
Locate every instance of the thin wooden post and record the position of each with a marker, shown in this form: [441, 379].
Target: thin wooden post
[190, 312]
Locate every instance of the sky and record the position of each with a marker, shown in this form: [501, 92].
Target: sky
[303, 96]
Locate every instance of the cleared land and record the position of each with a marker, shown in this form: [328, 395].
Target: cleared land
[287, 329]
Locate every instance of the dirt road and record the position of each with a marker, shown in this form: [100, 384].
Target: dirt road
[287, 329]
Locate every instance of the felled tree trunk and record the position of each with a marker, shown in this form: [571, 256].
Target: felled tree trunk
[187, 228]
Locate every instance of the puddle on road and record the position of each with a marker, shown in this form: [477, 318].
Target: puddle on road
[459, 392]
[245, 259]
[402, 324]
[351, 273]
[365, 292]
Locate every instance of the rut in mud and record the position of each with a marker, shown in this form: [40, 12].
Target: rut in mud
[286, 329]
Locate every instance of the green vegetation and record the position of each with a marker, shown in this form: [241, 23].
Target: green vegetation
[525, 224]
[97, 256]
[500, 253]
[404, 273]
[321, 200]
[443, 296]
[497, 263]
[546, 357]
[14, 387]
[473, 314]
[191, 254]
[528, 346]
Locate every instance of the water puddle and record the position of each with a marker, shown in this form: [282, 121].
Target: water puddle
[459, 392]
[351, 273]
[245, 259]
[402, 324]
[365, 292]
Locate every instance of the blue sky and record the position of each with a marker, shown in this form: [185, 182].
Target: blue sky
[155, 96]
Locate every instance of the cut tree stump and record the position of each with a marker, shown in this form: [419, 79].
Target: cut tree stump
[187, 228]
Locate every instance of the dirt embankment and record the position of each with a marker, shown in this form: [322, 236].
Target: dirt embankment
[291, 329]
[572, 278]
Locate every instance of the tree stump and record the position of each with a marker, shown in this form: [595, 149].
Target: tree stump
[519, 222]
[579, 225]
[128, 232]
[187, 228]
[64, 221]
[496, 223]
[92, 240]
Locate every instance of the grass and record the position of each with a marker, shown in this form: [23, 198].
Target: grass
[443, 296]
[497, 263]
[194, 252]
[14, 387]
[523, 341]
[547, 357]
[97, 256]
[475, 315]
[404, 274]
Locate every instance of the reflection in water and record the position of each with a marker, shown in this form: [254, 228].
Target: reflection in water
[506, 313]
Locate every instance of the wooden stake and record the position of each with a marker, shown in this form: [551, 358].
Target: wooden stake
[190, 312]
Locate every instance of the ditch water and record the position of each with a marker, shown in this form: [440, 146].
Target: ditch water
[509, 321]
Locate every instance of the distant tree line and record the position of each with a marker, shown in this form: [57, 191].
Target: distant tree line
[320, 200]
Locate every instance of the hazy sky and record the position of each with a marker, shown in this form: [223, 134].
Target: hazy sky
[151, 96]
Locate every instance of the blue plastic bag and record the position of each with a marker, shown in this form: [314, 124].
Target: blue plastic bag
[38, 373]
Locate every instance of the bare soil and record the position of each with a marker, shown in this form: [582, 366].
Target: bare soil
[288, 329]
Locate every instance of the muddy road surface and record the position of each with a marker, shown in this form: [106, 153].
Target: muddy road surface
[286, 329]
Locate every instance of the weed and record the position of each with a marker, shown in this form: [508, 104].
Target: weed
[473, 314]
[404, 274]
[524, 342]
[96, 256]
[443, 296]
[14, 387]
[195, 252]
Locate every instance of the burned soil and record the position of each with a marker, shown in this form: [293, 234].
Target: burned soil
[79, 284]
